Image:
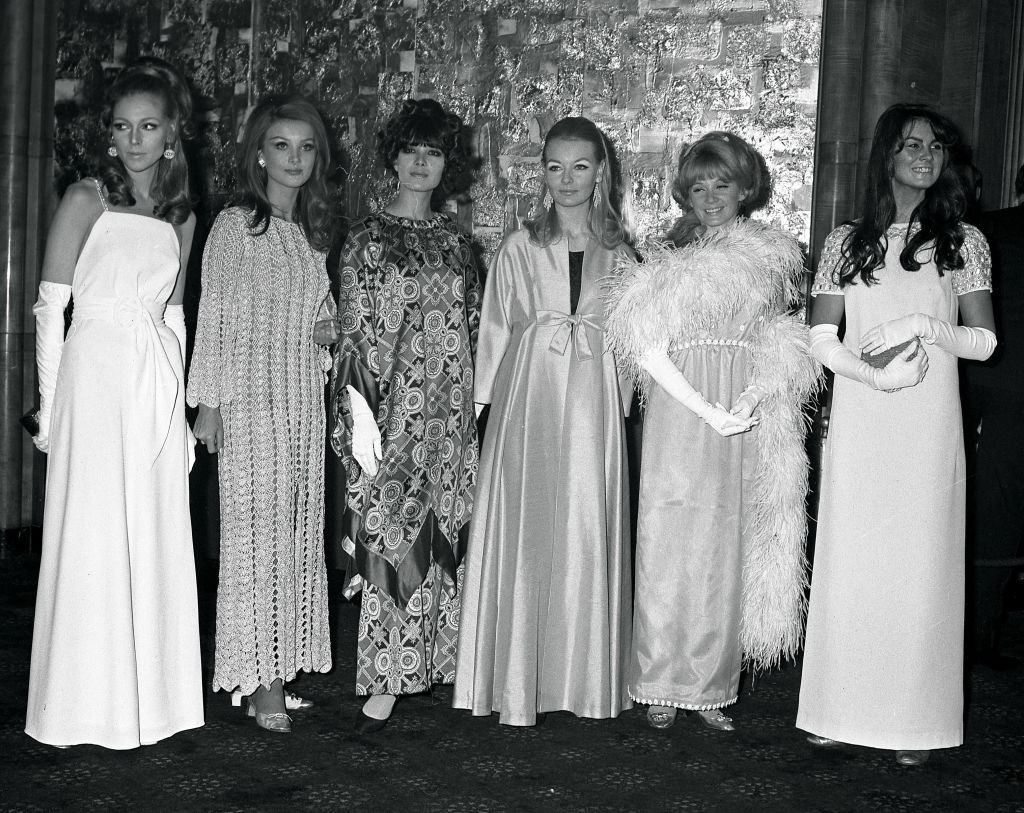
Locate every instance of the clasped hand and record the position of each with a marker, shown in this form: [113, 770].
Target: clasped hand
[895, 332]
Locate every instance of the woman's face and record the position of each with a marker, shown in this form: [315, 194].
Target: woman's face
[419, 167]
[289, 151]
[571, 170]
[140, 131]
[715, 201]
[917, 166]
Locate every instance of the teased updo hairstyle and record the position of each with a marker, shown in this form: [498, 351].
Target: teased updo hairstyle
[313, 209]
[425, 123]
[727, 157]
[605, 220]
[152, 77]
[938, 214]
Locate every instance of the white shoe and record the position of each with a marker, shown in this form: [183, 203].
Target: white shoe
[292, 701]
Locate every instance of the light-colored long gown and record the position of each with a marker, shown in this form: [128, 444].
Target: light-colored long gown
[545, 622]
[883, 663]
[255, 359]
[115, 648]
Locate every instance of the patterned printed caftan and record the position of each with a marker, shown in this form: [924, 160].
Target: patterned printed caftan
[409, 311]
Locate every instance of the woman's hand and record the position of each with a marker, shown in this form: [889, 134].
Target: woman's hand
[894, 332]
[904, 371]
[748, 401]
[209, 428]
[366, 442]
[326, 331]
[725, 423]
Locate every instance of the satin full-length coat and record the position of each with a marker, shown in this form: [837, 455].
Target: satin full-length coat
[546, 606]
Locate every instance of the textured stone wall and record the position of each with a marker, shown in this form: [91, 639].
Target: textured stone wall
[653, 73]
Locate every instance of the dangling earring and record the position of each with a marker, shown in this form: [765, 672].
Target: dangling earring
[112, 150]
[261, 162]
[168, 152]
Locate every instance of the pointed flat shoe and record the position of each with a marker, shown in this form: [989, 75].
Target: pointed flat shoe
[661, 718]
[716, 720]
[912, 757]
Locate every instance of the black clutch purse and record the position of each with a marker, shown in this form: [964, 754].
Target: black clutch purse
[30, 420]
[883, 357]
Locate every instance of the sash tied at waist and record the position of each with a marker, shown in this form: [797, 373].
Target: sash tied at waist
[582, 329]
[155, 388]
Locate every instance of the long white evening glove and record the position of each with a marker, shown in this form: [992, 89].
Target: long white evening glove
[902, 371]
[965, 342]
[174, 318]
[365, 434]
[668, 377]
[49, 312]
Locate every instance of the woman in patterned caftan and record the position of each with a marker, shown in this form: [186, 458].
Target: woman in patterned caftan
[257, 377]
[883, 663]
[402, 388]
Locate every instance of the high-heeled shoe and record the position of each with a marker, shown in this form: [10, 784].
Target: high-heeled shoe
[661, 717]
[292, 702]
[278, 722]
[365, 724]
[713, 718]
[912, 757]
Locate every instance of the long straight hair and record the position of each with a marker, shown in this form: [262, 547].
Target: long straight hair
[169, 190]
[605, 218]
[313, 210]
[939, 214]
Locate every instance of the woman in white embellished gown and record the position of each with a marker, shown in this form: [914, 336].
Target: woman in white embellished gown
[257, 376]
[115, 649]
[883, 664]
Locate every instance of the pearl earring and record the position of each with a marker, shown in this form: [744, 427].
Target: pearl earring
[112, 150]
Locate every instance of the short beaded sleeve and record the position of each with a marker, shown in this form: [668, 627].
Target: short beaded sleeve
[826, 278]
[976, 275]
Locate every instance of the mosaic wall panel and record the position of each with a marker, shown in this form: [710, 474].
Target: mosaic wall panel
[653, 73]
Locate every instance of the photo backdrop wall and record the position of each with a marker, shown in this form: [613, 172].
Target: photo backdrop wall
[653, 73]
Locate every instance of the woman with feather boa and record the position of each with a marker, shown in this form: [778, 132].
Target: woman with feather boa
[724, 369]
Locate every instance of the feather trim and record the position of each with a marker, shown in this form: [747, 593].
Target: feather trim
[679, 295]
[775, 563]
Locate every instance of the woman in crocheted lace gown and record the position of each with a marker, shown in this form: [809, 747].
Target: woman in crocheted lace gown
[115, 649]
[724, 366]
[546, 607]
[257, 376]
[883, 664]
[402, 388]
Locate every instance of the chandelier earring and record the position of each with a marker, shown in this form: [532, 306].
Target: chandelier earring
[168, 152]
[112, 150]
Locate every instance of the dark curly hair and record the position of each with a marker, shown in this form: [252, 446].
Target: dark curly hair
[170, 193]
[606, 220]
[425, 123]
[939, 214]
[726, 156]
[313, 207]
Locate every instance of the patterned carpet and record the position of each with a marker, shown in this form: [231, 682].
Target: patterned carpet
[432, 758]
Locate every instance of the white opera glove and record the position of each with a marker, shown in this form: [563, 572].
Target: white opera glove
[748, 401]
[174, 318]
[902, 371]
[365, 433]
[49, 312]
[668, 377]
[964, 342]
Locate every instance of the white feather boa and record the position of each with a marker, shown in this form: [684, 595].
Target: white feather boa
[686, 294]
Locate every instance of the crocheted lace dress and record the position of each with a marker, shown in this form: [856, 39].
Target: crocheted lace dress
[255, 359]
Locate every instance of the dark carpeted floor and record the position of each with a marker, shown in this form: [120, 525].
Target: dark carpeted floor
[433, 758]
